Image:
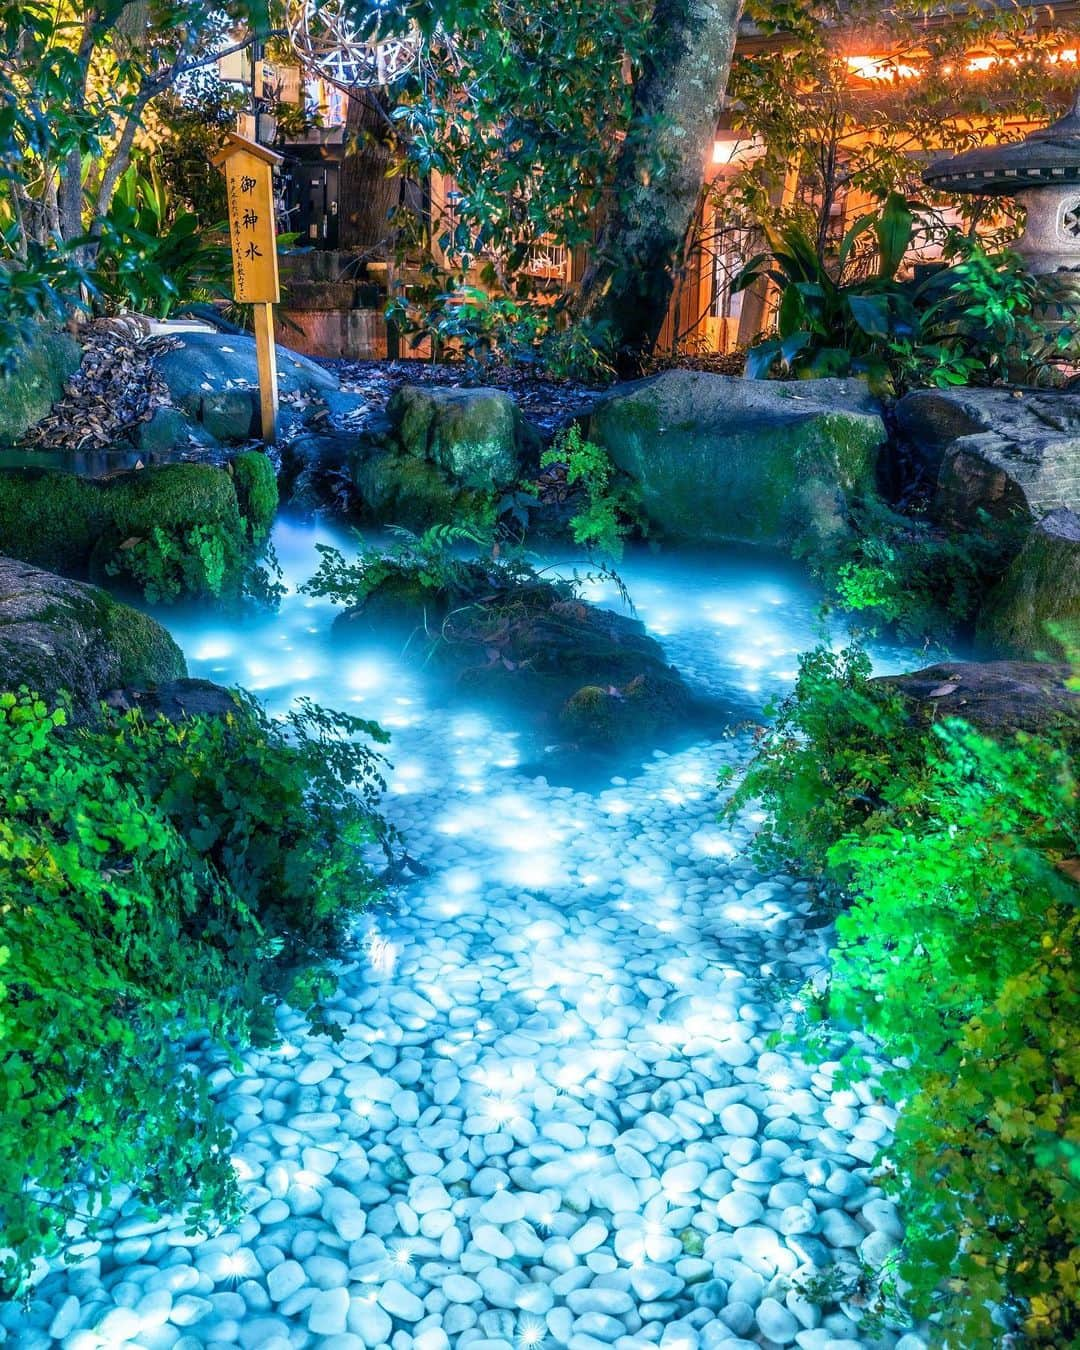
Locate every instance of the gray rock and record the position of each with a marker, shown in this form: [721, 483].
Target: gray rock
[720, 458]
[57, 634]
[214, 378]
[1000, 449]
[998, 697]
[1035, 609]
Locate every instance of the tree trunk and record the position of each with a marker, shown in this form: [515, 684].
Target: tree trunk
[661, 167]
[366, 196]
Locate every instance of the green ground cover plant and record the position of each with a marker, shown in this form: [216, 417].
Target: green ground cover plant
[953, 858]
[158, 880]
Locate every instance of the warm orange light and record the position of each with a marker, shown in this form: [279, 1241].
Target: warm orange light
[736, 152]
[880, 68]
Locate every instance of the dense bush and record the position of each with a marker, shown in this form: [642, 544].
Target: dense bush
[157, 880]
[956, 947]
[904, 571]
[980, 320]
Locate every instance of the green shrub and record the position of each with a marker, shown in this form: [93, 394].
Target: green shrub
[168, 532]
[157, 880]
[256, 492]
[903, 571]
[611, 505]
[151, 257]
[956, 949]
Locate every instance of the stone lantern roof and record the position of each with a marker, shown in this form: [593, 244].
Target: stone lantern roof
[1043, 173]
[1047, 157]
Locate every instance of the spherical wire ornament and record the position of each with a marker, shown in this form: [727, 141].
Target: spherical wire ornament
[330, 42]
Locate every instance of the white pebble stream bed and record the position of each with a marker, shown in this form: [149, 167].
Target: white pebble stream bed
[555, 1118]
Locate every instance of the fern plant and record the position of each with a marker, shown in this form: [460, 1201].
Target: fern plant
[611, 507]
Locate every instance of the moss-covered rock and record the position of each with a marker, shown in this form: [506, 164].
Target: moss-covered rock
[165, 532]
[58, 635]
[471, 435]
[581, 672]
[443, 455]
[41, 369]
[50, 518]
[611, 717]
[719, 458]
[400, 489]
[1034, 611]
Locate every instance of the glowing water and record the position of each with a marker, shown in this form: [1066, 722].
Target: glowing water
[554, 1118]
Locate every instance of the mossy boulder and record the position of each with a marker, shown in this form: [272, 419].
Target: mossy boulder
[578, 671]
[443, 454]
[610, 717]
[402, 489]
[165, 532]
[1034, 611]
[59, 635]
[718, 458]
[471, 435]
[41, 368]
[255, 484]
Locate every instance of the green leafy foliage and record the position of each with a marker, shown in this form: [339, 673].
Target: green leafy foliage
[469, 324]
[977, 321]
[611, 504]
[901, 570]
[957, 855]
[156, 880]
[439, 565]
[985, 318]
[483, 328]
[848, 125]
[826, 324]
[150, 259]
[524, 119]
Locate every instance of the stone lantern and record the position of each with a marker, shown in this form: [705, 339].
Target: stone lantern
[1043, 173]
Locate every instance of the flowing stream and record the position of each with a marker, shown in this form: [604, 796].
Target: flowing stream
[556, 1118]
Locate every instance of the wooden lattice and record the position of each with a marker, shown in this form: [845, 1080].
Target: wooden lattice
[329, 43]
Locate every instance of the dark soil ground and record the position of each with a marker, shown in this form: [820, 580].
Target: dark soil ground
[548, 404]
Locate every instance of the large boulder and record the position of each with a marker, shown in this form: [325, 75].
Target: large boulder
[214, 379]
[1035, 609]
[723, 458]
[58, 635]
[36, 381]
[998, 697]
[472, 436]
[1007, 453]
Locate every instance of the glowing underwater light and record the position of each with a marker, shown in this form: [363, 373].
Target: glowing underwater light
[402, 1254]
[531, 1331]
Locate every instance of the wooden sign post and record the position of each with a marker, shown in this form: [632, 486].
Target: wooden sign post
[249, 173]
